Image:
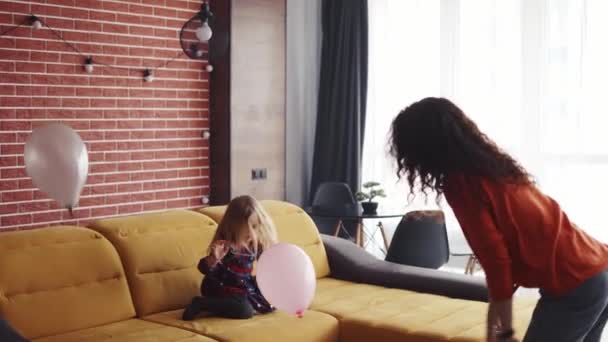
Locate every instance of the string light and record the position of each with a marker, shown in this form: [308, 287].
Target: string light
[209, 68]
[36, 23]
[148, 75]
[196, 51]
[88, 65]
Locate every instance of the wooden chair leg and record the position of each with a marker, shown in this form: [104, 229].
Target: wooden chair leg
[359, 233]
[337, 230]
[468, 269]
[474, 264]
[381, 226]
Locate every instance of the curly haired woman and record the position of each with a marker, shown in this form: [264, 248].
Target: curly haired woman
[521, 236]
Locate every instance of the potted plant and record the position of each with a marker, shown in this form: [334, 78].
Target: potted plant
[366, 197]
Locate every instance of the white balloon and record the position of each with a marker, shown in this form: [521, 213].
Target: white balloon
[57, 161]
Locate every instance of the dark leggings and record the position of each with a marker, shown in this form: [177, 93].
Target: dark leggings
[578, 316]
[232, 307]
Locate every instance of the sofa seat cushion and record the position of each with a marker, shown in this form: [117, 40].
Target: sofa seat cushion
[369, 313]
[277, 326]
[127, 331]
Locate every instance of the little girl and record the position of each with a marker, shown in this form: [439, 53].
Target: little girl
[229, 289]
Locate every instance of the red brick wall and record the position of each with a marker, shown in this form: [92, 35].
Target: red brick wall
[144, 139]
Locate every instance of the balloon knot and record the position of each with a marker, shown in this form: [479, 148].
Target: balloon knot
[299, 314]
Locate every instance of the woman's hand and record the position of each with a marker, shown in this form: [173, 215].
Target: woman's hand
[508, 339]
[493, 335]
[499, 320]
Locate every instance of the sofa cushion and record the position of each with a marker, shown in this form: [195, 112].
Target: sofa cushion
[160, 252]
[293, 226]
[128, 331]
[368, 313]
[277, 326]
[60, 279]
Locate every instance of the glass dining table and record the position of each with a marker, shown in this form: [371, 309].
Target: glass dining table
[362, 236]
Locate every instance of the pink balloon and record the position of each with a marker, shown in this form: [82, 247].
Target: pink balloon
[57, 161]
[287, 278]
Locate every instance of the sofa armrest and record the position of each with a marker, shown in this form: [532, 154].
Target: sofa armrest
[349, 262]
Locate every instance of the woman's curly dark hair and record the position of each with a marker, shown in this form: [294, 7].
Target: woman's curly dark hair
[433, 138]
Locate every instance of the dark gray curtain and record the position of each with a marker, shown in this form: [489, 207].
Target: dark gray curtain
[342, 94]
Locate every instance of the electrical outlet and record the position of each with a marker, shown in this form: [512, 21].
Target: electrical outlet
[258, 174]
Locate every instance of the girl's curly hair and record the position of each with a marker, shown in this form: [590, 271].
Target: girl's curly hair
[433, 138]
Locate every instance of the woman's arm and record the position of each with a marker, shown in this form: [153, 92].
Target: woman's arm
[486, 241]
[488, 244]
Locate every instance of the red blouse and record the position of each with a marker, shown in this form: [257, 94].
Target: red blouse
[522, 237]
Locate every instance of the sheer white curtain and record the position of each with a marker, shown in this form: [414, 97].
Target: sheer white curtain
[531, 73]
[303, 26]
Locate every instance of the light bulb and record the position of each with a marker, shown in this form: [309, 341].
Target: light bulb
[35, 22]
[206, 135]
[209, 68]
[205, 200]
[204, 33]
[195, 51]
[88, 65]
[148, 76]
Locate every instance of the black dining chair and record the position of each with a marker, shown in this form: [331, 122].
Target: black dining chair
[421, 240]
[335, 199]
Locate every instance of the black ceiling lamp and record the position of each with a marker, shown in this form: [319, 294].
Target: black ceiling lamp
[196, 32]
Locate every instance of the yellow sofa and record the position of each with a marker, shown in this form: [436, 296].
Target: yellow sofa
[129, 278]
[65, 284]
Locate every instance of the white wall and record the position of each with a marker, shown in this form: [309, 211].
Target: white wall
[257, 97]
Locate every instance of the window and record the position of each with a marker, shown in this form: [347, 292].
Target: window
[531, 73]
